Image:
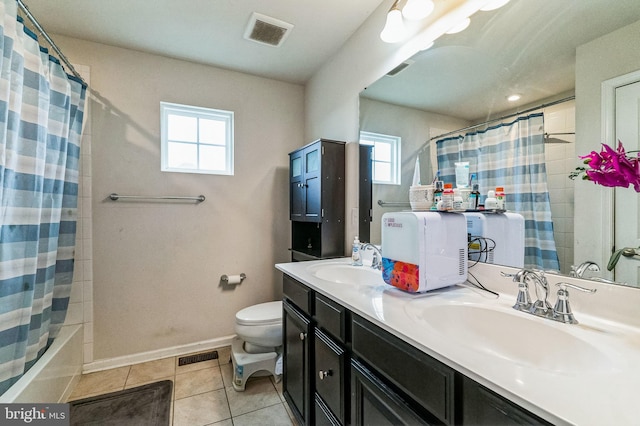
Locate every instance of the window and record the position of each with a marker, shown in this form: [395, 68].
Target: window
[196, 140]
[386, 157]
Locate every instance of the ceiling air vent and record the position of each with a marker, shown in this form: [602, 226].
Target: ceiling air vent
[266, 30]
[400, 68]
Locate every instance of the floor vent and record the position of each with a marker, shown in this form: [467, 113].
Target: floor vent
[266, 30]
[192, 359]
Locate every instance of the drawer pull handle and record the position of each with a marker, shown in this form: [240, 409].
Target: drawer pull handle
[323, 374]
[303, 336]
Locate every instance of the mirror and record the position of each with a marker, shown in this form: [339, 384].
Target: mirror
[464, 79]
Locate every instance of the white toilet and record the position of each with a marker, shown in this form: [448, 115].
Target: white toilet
[258, 347]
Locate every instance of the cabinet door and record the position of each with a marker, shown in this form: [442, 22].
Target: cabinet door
[374, 403]
[330, 360]
[296, 385]
[483, 407]
[296, 186]
[312, 182]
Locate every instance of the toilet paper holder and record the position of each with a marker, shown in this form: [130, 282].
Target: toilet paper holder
[233, 279]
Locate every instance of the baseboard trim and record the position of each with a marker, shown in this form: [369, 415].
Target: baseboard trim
[121, 361]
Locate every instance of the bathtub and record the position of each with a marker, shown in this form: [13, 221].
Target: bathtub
[53, 377]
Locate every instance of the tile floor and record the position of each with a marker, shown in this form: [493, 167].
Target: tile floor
[202, 392]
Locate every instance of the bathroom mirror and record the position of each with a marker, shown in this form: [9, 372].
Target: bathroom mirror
[526, 48]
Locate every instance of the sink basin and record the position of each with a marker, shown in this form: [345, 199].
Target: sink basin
[343, 273]
[514, 336]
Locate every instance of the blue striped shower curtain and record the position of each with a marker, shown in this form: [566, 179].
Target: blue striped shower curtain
[510, 155]
[41, 110]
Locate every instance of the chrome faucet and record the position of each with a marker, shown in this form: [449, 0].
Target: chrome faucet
[560, 312]
[376, 263]
[584, 267]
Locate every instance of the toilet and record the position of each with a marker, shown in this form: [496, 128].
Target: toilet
[257, 349]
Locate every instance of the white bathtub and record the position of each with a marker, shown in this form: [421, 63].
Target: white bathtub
[55, 374]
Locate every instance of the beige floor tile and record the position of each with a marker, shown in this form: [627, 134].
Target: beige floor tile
[198, 381]
[274, 415]
[203, 409]
[151, 371]
[132, 384]
[224, 355]
[227, 374]
[100, 382]
[259, 393]
[227, 422]
[278, 386]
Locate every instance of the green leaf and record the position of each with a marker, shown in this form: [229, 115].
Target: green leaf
[613, 260]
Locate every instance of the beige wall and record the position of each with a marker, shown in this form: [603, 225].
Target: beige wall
[157, 266]
[613, 55]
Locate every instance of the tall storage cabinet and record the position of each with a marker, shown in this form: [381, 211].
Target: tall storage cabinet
[316, 200]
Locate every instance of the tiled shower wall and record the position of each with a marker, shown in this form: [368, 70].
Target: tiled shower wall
[81, 302]
[560, 161]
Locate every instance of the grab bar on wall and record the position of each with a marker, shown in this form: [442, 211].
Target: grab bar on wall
[394, 203]
[116, 197]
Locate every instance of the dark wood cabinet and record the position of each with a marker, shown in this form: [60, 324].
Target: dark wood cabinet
[296, 380]
[341, 369]
[316, 200]
[483, 407]
[375, 403]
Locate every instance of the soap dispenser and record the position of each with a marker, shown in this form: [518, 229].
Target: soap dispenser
[356, 259]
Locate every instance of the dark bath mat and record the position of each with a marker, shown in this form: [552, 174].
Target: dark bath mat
[147, 405]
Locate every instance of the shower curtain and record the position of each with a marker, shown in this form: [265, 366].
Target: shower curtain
[41, 111]
[510, 155]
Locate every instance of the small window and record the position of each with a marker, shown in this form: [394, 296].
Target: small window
[196, 140]
[385, 158]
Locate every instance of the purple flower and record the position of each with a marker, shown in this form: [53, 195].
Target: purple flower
[613, 168]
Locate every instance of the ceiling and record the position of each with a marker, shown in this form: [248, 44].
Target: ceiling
[528, 47]
[211, 31]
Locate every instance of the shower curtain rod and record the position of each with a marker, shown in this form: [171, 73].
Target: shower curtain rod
[475, 126]
[64, 59]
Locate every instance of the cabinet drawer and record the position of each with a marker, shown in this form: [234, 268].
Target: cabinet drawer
[424, 379]
[297, 292]
[329, 369]
[331, 317]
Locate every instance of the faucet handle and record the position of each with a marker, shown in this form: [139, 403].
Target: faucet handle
[523, 301]
[562, 309]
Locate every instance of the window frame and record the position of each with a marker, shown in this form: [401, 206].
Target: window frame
[395, 142]
[226, 117]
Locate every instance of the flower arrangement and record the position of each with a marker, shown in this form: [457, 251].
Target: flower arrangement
[610, 167]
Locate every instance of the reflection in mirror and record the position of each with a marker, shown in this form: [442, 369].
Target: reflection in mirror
[528, 48]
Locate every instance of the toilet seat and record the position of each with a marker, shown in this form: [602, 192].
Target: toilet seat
[269, 313]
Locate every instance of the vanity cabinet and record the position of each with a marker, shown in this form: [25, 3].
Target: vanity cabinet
[316, 200]
[484, 407]
[342, 369]
[296, 349]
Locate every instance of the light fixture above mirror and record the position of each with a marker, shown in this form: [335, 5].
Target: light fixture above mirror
[415, 10]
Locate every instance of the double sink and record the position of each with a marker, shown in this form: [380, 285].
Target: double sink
[487, 324]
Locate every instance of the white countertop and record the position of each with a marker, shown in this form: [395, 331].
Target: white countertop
[594, 383]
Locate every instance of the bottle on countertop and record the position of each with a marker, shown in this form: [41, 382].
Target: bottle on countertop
[356, 259]
[490, 203]
[458, 202]
[447, 198]
[500, 198]
[437, 194]
[474, 197]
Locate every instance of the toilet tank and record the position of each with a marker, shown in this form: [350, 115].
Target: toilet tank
[423, 251]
